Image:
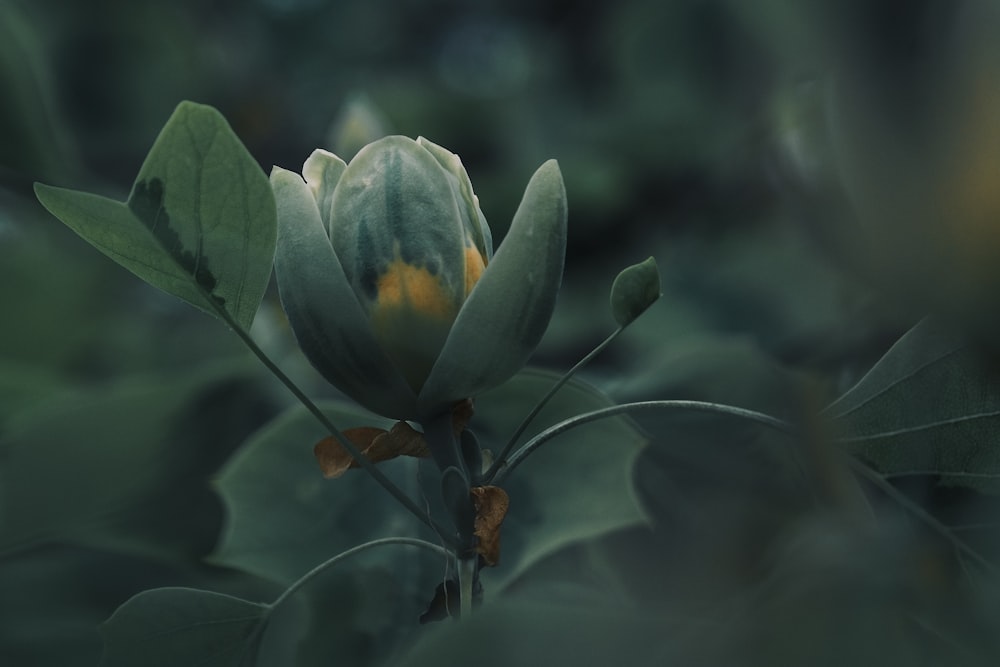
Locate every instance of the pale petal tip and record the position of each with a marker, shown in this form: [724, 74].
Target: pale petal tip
[280, 173]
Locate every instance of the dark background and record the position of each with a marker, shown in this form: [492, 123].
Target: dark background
[772, 156]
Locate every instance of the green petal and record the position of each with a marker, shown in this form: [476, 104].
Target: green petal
[322, 172]
[327, 320]
[508, 311]
[395, 205]
[475, 222]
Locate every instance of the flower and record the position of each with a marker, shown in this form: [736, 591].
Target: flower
[385, 268]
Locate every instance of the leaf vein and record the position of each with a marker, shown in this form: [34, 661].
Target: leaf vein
[891, 385]
[209, 623]
[921, 427]
[943, 473]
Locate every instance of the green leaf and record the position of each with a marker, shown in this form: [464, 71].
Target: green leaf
[62, 594]
[181, 626]
[930, 406]
[543, 631]
[284, 518]
[635, 289]
[35, 139]
[575, 487]
[22, 385]
[200, 222]
[354, 613]
[56, 299]
[91, 469]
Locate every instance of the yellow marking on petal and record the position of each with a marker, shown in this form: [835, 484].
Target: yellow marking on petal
[411, 317]
[404, 285]
[474, 267]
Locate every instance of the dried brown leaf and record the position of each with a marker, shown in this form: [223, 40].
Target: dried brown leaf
[491, 503]
[401, 440]
[376, 445]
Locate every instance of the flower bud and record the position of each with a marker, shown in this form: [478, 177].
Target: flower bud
[386, 270]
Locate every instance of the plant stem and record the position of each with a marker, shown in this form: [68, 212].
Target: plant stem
[859, 467]
[698, 406]
[369, 467]
[325, 565]
[501, 459]
[466, 581]
[439, 432]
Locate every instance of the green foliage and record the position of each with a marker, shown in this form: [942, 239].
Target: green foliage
[283, 517]
[584, 632]
[55, 623]
[200, 223]
[112, 461]
[814, 177]
[929, 407]
[405, 218]
[106, 490]
[577, 487]
[182, 626]
[36, 140]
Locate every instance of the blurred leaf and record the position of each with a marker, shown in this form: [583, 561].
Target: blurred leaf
[181, 626]
[93, 469]
[23, 385]
[706, 367]
[62, 596]
[358, 124]
[575, 487]
[284, 518]
[55, 301]
[200, 222]
[35, 140]
[716, 489]
[842, 592]
[930, 406]
[717, 492]
[832, 591]
[543, 630]
[355, 614]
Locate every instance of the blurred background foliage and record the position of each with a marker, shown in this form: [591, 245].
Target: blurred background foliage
[812, 177]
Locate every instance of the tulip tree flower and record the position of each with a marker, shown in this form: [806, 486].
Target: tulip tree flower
[386, 270]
